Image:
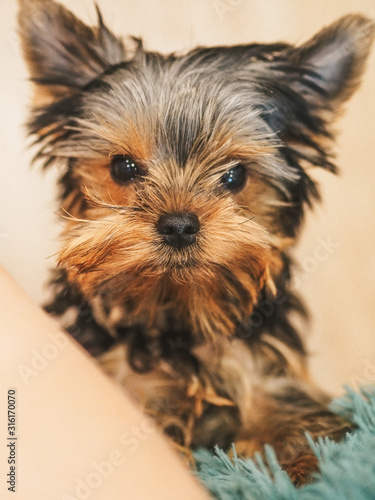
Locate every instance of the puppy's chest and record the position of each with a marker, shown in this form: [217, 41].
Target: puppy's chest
[201, 392]
[197, 405]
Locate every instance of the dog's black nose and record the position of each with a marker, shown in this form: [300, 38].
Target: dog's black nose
[179, 229]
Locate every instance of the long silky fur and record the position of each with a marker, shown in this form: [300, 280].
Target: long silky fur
[202, 337]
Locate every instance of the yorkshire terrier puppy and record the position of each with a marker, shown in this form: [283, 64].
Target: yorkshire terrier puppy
[185, 180]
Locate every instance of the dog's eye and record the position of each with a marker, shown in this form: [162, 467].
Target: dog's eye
[124, 169]
[235, 178]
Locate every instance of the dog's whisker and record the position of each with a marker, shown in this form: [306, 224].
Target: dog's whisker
[71, 217]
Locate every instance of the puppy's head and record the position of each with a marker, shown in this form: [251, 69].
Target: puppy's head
[185, 177]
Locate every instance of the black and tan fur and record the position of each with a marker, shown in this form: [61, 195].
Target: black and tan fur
[176, 325]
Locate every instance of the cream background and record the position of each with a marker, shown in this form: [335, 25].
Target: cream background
[340, 290]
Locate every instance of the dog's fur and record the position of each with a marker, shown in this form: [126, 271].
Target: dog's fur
[200, 335]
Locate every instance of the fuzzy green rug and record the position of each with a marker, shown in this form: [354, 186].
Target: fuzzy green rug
[347, 468]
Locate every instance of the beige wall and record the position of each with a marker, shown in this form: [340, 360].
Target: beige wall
[340, 290]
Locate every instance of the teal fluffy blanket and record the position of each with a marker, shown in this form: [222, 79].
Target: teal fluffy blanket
[347, 468]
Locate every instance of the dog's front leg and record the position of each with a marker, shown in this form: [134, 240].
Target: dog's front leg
[284, 411]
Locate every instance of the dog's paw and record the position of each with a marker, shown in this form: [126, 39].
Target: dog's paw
[301, 468]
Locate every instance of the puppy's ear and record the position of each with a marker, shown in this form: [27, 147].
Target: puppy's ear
[306, 85]
[332, 62]
[63, 54]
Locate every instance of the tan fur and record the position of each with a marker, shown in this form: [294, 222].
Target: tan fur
[114, 243]
[181, 314]
[238, 383]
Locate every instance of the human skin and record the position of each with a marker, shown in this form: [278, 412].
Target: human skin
[78, 435]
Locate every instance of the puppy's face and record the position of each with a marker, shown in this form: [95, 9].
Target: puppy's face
[185, 176]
